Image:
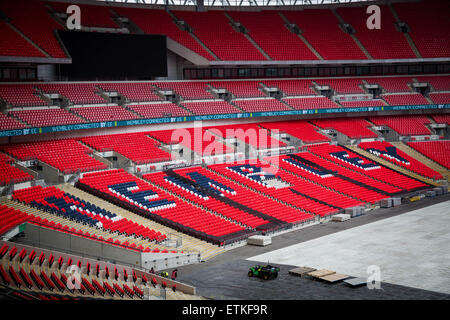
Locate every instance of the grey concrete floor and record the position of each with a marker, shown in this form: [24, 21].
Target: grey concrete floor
[225, 276]
[412, 249]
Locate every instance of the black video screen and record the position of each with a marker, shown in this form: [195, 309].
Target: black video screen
[114, 56]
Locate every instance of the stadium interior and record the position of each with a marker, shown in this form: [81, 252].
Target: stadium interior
[154, 138]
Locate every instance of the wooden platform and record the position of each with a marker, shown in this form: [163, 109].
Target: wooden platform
[335, 277]
[301, 271]
[320, 273]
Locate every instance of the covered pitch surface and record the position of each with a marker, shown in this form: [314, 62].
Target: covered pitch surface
[411, 249]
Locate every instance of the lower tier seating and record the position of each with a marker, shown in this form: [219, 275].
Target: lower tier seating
[437, 151]
[283, 187]
[388, 152]
[72, 208]
[357, 163]
[136, 195]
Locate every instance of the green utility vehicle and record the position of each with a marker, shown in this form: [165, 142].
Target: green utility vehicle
[264, 272]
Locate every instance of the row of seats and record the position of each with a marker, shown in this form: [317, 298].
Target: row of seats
[437, 151]
[166, 209]
[10, 218]
[357, 163]
[262, 105]
[320, 27]
[269, 208]
[353, 128]
[13, 44]
[260, 178]
[300, 129]
[73, 208]
[308, 169]
[45, 276]
[109, 113]
[311, 103]
[66, 155]
[192, 195]
[8, 123]
[159, 110]
[404, 125]
[137, 147]
[9, 174]
[46, 117]
[87, 93]
[250, 133]
[388, 152]
[40, 28]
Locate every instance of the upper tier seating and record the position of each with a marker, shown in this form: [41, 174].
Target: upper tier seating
[311, 103]
[353, 128]
[78, 93]
[321, 30]
[357, 163]
[404, 125]
[210, 107]
[167, 209]
[429, 25]
[267, 29]
[261, 105]
[9, 173]
[214, 30]
[159, 110]
[108, 113]
[8, 123]
[390, 153]
[47, 117]
[20, 95]
[66, 155]
[405, 99]
[133, 91]
[92, 16]
[292, 87]
[187, 90]
[135, 146]
[394, 44]
[160, 22]
[300, 129]
[40, 28]
[240, 89]
[437, 151]
[13, 44]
